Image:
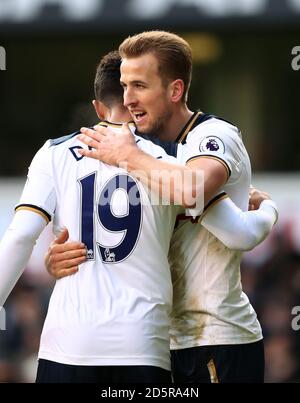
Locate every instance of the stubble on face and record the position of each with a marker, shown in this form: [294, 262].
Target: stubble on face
[158, 124]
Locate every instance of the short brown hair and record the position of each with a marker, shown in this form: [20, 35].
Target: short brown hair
[107, 80]
[174, 54]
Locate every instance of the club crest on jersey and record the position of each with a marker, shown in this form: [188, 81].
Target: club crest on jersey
[212, 143]
[109, 256]
[90, 254]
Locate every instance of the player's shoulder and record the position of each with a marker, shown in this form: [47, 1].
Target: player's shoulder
[63, 139]
[205, 125]
[210, 121]
[55, 148]
[58, 146]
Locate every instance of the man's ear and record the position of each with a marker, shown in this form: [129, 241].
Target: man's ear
[176, 90]
[100, 109]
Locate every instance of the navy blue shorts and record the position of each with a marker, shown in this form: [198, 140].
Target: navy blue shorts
[241, 363]
[54, 372]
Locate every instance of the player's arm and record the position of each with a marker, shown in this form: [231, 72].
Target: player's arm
[16, 247]
[33, 213]
[237, 229]
[184, 183]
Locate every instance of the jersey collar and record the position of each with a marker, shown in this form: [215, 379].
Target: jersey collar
[187, 127]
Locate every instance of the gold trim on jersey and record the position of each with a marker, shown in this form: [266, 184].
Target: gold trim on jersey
[213, 157]
[212, 371]
[105, 123]
[188, 128]
[36, 210]
[212, 203]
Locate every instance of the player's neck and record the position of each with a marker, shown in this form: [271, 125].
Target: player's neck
[176, 123]
[117, 115]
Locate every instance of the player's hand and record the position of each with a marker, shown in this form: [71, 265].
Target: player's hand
[63, 258]
[256, 197]
[108, 146]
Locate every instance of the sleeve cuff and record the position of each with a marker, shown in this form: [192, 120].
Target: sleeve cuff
[214, 157]
[265, 204]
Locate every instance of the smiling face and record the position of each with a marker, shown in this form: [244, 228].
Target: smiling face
[146, 95]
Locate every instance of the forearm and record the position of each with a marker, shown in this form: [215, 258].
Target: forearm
[175, 183]
[16, 248]
[240, 230]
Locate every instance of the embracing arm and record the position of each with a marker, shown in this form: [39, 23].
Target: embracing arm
[16, 247]
[237, 229]
[199, 180]
[186, 184]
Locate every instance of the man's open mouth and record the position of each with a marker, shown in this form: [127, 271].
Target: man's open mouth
[138, 116]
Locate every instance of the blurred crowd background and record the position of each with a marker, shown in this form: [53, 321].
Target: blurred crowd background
[246, 70]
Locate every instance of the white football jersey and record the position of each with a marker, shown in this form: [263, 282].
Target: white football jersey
[209, 306]
[115, 310]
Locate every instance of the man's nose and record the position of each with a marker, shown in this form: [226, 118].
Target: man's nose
[129, 97]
